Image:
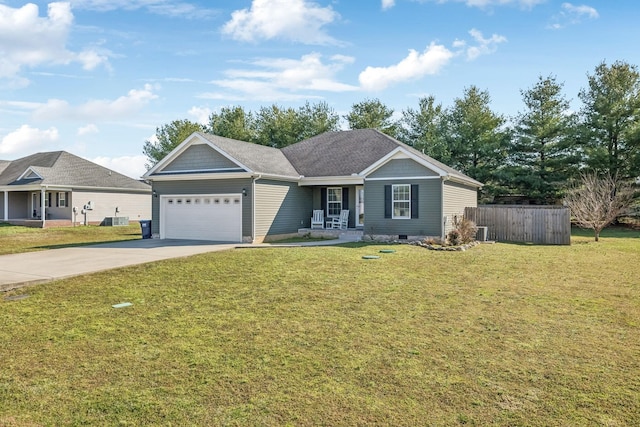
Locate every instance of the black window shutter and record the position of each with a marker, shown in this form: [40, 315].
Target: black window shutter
[323, 200]
[345, 198]
[387, 201]
[57, 200]
[414, 200]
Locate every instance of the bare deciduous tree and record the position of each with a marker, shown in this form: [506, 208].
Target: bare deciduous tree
[598, 200]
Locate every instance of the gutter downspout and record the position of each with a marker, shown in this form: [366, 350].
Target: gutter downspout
[443, 219]
[253, 207]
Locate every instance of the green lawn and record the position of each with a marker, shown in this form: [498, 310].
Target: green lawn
[16, 239]
[503, 334]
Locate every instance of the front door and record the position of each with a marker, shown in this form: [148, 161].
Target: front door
[359, 206]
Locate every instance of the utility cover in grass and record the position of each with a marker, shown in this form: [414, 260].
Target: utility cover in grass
[121, 305]
[387, 251]
[370, 257]
[16, 297]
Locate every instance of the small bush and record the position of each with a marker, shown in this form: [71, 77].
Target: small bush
[454, 238]
[464, 232]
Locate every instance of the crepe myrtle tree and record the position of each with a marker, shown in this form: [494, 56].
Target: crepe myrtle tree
[597, 200]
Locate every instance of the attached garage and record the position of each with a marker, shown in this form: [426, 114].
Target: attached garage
[216, 217]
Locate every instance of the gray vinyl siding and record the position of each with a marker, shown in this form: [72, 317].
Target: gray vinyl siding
[281, 207]
[317, 203]
[457, 197]
[429, 209]
[225, 186]
[19, 205]
[135, 206]
[199, 157]
[401, 168]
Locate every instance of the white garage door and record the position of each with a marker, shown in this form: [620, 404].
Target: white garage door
[202, 217]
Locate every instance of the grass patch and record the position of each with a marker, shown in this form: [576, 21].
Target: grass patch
[17, 239]
[498, 335]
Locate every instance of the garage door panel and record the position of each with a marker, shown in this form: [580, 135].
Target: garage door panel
[215, 217]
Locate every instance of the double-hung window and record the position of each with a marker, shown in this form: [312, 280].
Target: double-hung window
[334, 201]
[401, 201]
[62, 200]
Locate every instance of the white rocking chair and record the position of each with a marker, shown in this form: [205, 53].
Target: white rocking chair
[317, 220]
[341, 222]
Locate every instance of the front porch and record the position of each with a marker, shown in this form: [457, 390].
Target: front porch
[331, 233]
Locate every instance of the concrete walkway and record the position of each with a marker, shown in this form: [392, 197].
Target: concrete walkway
[18, 270]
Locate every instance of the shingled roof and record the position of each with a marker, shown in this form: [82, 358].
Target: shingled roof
[59, 168]
[340, 153]
[331, 154]
[343, 153]
[258, 158]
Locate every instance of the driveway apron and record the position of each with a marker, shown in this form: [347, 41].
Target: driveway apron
[17, 270]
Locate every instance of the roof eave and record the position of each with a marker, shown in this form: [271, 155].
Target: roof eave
[331, 180]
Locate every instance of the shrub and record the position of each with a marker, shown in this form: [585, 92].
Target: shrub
[464, 232]
[454, 237]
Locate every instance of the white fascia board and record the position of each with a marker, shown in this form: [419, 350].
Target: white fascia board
[199, 176]
[400, 178]
[193, 139]
[112, 189]
[61, 188]
[275, 177]
[331, 180]
[471, 182]
[17, 188]
[401, 153]
[28, 172]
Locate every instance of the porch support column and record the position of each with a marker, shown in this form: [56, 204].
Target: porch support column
[6, 205]
[43, 210]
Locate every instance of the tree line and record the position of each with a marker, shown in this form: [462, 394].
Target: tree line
[537, 152]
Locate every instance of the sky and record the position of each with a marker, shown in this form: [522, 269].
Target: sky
[96, 78]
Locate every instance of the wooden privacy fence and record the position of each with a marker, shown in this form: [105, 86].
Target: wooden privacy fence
[547, 225]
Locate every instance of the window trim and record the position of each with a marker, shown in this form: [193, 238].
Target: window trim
[62, 199]
[394, 201]
[334, 202]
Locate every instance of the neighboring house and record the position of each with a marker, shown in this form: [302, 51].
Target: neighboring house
[62, 189]
[215, 188]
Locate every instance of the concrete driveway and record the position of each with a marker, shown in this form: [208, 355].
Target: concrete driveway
[18, 270]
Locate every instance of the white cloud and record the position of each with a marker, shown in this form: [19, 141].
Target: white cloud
[131, 166]
[295, 20]
[201, 114]
[483, 46]
[571, 15]
[414, 66]
[87, 130]
[27, 40]
[388, 4]
[283, 78]
[159, 7]
[582, 10]
[27, 140]
[483, 4]
[122, 107]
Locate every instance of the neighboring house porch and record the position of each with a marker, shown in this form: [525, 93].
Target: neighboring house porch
[58, 188]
